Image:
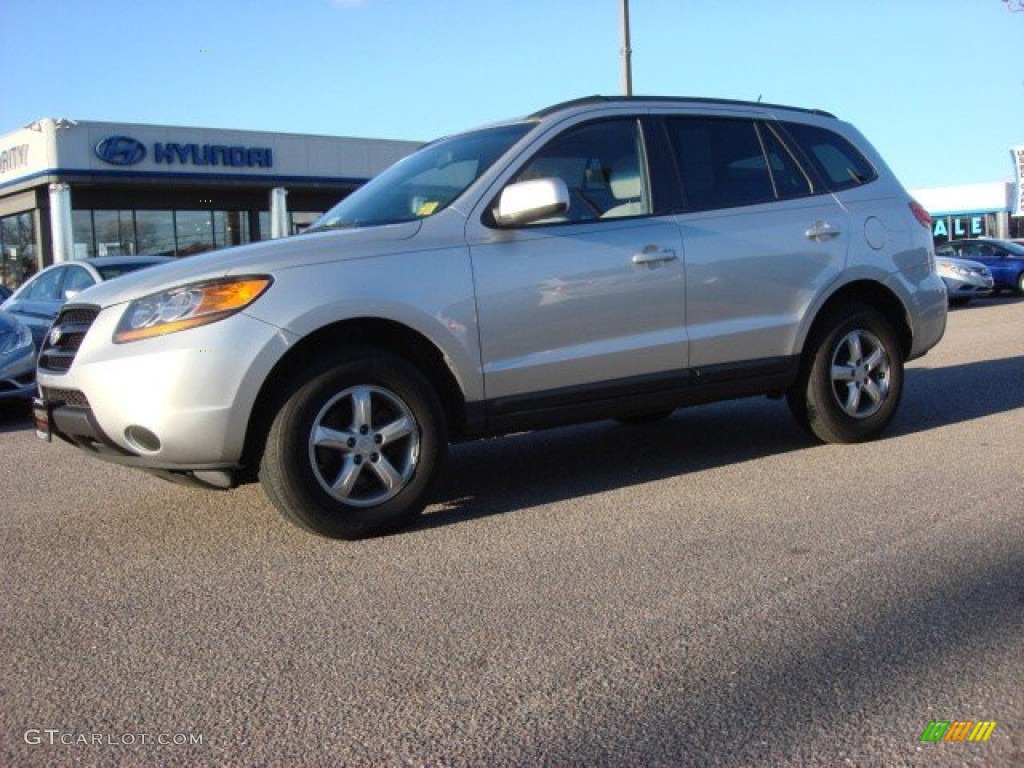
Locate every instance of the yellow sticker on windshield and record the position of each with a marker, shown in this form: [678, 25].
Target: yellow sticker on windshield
[427, 208]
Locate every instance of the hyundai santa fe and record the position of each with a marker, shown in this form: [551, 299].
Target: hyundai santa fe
[603, 258]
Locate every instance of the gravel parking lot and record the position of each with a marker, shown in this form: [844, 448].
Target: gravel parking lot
[713, 590]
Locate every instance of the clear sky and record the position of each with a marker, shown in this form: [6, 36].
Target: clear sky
[937, 85]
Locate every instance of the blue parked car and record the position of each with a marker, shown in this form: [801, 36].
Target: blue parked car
[17, 360]
[1004, 259]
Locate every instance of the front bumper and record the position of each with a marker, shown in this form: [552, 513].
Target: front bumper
[968, 289]
[177, 404]
[78, 426]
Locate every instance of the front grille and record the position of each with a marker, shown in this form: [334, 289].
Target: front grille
[70, 397]
[72, 323]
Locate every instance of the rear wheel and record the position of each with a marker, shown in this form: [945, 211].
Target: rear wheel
[852, 377]
[357, 446]
[1020, 283]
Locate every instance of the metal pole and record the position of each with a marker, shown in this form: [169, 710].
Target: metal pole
[627, 52]
[278, 213]
[61, 230]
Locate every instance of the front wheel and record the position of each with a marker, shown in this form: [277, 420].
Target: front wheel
[851, 379]
[1020, 283]
[356, 447]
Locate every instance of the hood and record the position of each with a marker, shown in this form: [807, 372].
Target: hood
[265, 257]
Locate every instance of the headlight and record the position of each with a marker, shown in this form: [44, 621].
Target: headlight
[20, 338]
[188, 306]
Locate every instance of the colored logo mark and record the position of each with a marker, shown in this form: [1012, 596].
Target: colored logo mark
[120, 150]
[958, 730]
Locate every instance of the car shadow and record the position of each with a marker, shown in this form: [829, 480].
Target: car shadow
[1000, 298]
[938, 397]
[15, 416]
[492, 477]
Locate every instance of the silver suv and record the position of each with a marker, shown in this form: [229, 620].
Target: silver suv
[604, 258]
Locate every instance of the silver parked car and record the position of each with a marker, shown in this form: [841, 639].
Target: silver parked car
[964, 279]
[609, 257]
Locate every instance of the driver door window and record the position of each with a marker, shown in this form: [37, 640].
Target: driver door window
[602, 166]
[75, 281]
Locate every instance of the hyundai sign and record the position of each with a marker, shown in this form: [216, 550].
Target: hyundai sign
[124, 150]
[121, 150]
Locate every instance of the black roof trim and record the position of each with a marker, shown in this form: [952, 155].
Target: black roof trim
[596, 99]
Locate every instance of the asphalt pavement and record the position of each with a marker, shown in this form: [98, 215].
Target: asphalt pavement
[713, 590]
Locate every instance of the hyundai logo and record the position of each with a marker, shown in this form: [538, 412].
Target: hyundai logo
[120, 150]
[56, 334]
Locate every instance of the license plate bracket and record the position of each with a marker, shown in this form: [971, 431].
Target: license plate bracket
[41, 415]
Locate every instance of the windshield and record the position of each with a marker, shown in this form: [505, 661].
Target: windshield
[425, 182]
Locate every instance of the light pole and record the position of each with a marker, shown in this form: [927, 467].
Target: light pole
[627, 52]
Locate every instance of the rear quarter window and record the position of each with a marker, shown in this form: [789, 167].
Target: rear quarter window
[840, 164]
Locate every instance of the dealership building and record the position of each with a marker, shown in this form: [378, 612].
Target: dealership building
[973, 210]
[74, 189]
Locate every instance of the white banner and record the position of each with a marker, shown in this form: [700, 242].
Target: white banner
[1017, 153]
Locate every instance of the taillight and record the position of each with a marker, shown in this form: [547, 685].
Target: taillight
[921, 214]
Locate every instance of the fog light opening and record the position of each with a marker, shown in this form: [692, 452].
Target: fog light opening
[142, 439]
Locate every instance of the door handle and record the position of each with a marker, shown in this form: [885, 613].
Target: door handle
[821, 231]
[652, 254]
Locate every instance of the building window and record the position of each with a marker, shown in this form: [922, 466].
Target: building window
[161, 233]
[230, 228]
[303, 220]
[194, 231]
[956, 226]
[155, 232]
[83, 234]
[114, 232]
[18, 249]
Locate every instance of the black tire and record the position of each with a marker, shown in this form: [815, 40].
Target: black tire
[357, 446]
[959, 302]
[644, 419]
[851, 378]
[1020, 284]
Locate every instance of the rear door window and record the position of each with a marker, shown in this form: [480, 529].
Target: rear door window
[725, 163]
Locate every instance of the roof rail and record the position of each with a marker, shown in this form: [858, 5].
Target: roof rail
[597, 99]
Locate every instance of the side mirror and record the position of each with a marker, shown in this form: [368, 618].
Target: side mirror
[530, 201]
